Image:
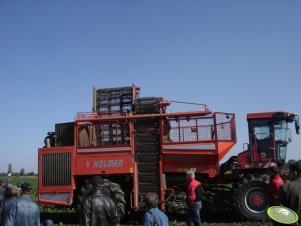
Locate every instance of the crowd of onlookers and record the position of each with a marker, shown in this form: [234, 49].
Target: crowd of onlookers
[287, 194]
[16, 206]
[99, 208]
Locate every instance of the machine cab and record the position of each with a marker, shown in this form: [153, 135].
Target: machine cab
[269, 135]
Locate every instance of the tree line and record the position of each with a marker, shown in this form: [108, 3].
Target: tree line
[22, 172]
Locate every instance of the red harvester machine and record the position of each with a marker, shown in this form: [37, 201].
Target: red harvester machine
[138, 146]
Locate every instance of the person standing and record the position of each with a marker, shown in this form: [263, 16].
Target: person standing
[290, 192]
[1, 198]
[13, 195]
[1, 193]
[153, 216]
[273, 188]
[194, 194]
[23, 211]
[97, 208]
[4, 192]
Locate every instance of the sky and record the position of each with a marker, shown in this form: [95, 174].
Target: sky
[236, 56]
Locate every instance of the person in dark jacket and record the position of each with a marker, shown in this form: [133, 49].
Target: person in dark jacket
[194, 194]
[98, 209]
[1, 186]
[14, 194]
[4, 192]
[273, 188]
[153, 216]
[290, 192]
[23, 212]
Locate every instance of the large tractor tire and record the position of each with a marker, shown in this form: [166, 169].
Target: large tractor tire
[118, 196]
[250, 201]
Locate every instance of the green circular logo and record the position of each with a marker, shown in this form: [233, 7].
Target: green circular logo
[282, 214]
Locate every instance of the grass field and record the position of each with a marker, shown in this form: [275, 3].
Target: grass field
[17, 180]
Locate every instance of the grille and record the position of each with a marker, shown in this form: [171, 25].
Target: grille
[56, 169]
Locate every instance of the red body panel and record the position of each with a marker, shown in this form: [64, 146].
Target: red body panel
[45, 190]
[105, 164]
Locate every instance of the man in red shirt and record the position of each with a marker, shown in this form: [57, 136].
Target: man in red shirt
[273, 188]
[194, 195]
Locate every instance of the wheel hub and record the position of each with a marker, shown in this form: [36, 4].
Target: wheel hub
[256, 201]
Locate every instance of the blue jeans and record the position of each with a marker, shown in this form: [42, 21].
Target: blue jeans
[194, 216]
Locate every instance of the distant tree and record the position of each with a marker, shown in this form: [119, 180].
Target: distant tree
[30, 174]
[22, 172]
[10, 168]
